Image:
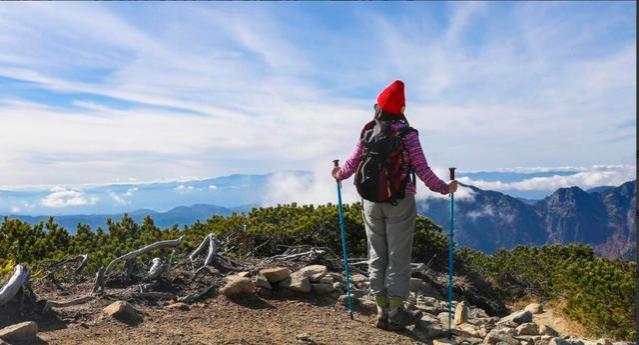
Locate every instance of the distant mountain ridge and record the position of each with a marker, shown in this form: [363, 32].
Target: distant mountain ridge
[603, 218]
[180, 215]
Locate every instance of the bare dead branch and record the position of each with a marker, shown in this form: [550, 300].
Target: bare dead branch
[134, 254]
[19, 278]
[55, 304]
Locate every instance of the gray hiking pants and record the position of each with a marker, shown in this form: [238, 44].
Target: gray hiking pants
[389, 230]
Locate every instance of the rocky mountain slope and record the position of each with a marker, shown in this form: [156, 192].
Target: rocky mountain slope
[488, 220]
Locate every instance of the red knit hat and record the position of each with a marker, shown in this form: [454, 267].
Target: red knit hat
[392, 98]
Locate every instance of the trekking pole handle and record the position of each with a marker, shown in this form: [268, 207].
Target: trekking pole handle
[452, 173]
[335, 163]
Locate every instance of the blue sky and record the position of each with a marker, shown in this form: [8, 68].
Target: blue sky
[96, 93]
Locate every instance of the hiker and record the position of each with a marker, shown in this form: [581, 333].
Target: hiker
[385, 161]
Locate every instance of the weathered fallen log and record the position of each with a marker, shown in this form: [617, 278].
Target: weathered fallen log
[19, 278]
[54, 304]
[134, 254]
[209, 240]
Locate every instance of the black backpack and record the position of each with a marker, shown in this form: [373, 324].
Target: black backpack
[378, 176]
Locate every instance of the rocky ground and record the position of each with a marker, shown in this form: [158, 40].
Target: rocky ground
[280, 304]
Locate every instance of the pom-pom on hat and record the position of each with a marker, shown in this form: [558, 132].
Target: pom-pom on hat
[392, 99]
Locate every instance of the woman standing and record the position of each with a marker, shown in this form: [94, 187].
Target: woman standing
[390, 224]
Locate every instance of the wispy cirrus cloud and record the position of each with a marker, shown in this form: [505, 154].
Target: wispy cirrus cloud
[104, 94]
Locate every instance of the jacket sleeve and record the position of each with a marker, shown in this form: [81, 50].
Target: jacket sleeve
[420, 165]
[351, 164]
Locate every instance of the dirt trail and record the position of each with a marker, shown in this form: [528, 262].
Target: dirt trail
[269, 319]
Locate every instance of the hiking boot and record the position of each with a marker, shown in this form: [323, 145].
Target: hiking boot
[382, 320]
[399, 318]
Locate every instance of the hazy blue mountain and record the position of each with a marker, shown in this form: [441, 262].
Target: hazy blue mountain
[491, 220]
[181, 215]
[226, 191]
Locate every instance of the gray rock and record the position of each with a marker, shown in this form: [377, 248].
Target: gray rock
[314, 272]
[275, 274]
[534, 308]
[426, 330]
[122, 311]
[236, 285]
[525, 340]
[558, 341]
[518, 317]
[327, 280]
[474, 341]
[443, 318]
[427, 308]
[322, 289]
[468, 330]
[528, 328]
[501, 334]
[461, 313]
[24, 331]
[262, 282]
[297, 282]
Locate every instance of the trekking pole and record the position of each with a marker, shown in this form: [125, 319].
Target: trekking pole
[344, 249]
[451, 249]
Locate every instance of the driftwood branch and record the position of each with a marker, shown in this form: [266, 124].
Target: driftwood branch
[76, 301]
[134, 254]
[19, 278]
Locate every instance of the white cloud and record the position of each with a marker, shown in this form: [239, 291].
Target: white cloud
[62, 197]
[595, 176]
[118, 199]
[213, 187]
[246, 89]
[185, 189]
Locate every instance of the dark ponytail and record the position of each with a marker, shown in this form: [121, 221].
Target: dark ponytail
[382, 115]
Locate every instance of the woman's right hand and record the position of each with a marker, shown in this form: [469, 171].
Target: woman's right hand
[452, 186]
[335, 171]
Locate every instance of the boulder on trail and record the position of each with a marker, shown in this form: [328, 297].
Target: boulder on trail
[275, 274]
[236, 285]
[297, 282]
[534, 308]
[314, 272]
[497, 335]
[517, 317]
[528, 328]
[20, 332]
[123, 311]
[262, 282]
[461, 313]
